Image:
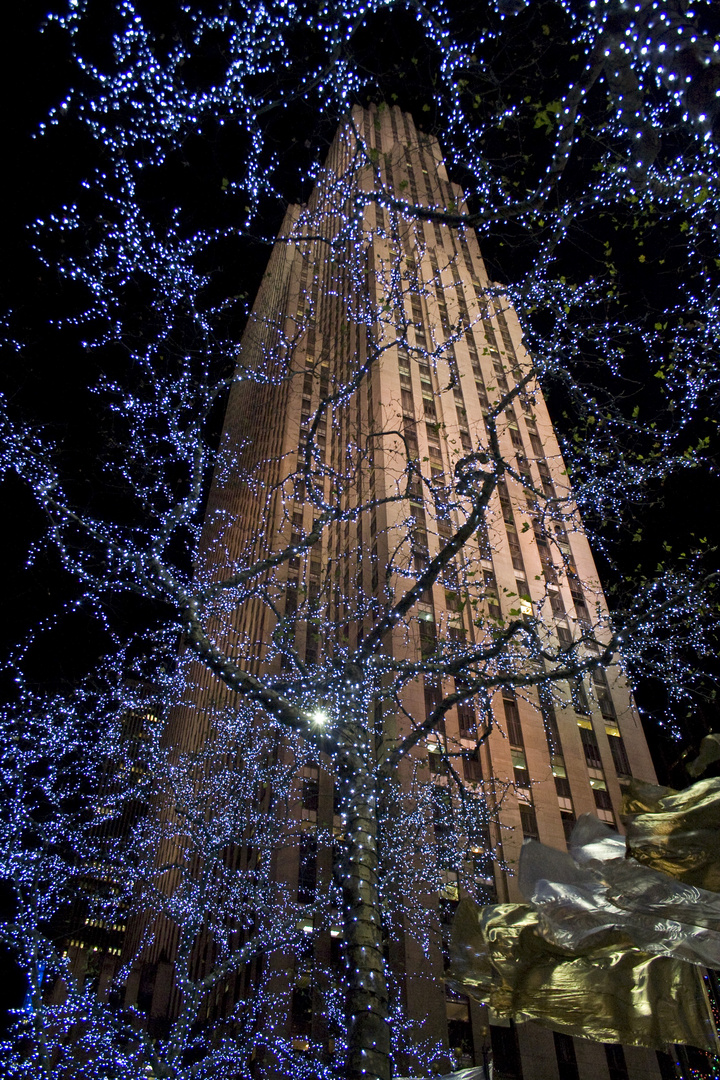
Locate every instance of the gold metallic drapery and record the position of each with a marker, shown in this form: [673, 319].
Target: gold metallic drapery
[676, 832]
[610, 991]
[594, 888]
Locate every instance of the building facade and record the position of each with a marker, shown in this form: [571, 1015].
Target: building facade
[381, 370]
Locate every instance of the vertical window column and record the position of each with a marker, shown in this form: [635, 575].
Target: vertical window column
[596, 774]
[557, 761]
[520, 770]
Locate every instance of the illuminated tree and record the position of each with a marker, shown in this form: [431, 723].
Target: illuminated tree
[543, 120]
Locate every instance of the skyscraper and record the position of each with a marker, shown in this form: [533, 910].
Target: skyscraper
[382, 383]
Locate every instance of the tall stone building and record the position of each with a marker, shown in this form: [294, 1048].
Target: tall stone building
[388, 317]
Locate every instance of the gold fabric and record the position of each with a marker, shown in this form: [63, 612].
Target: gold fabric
[607, 991]
[677, 832]
[709, 752]
[594, 888]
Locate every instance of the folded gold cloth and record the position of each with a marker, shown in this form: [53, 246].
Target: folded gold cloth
[677, 832]
[594, 887]
[608, 991]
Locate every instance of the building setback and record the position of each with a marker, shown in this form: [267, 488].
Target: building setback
[392, 316]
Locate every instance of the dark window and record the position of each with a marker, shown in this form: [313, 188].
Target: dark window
[545, 481]
[522, 776]
[512, 722]
[450, 577]
[432, 695]
[427, 636]
[491, 594]
[147, 987]
[461, 1040]
[616, 1061]
[442, 824]
[483, 539]
[466, 718]
[556, 603]
[446, 911]
[465, 710]
[552, 733]
[536, 444]
[568, 823]
[565, 1054]
[472, 767]
[582, 612]
[562, 786]
[301, 1011]
[410, 434]
[419, 536]
[415, 490]
[505, 1051]
[579, 697]
[606, 703]
[505, 502]
[529, 822]
[438, 764]
[619, 755]
[291, 600]
[429, 407]
[591, 748]
[310, 794]
[307, 871]
[666, 1066]
[483, 862]
[515, 552]
[602, 799]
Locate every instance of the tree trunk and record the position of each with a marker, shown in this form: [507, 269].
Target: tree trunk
[367, 998]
